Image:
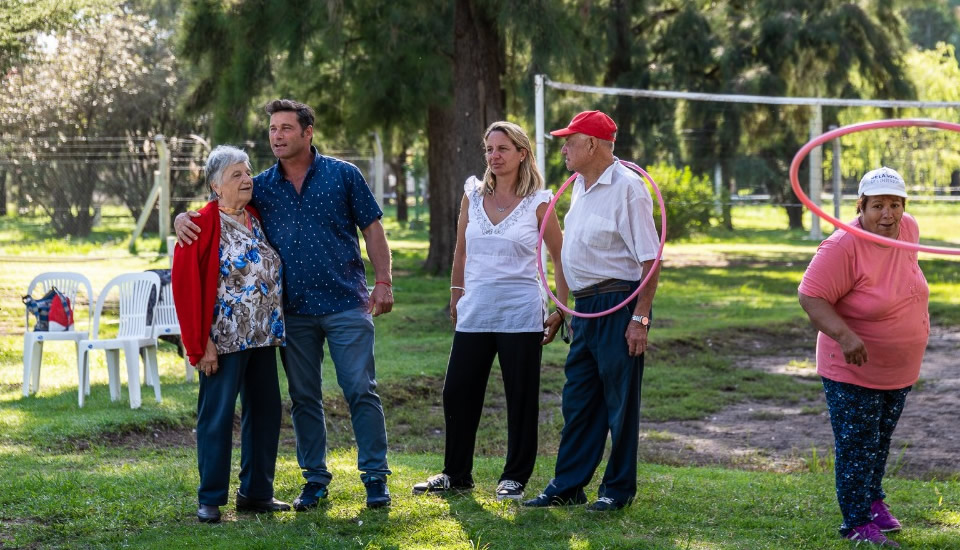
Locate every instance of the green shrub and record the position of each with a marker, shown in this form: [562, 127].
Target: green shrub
[688, 199]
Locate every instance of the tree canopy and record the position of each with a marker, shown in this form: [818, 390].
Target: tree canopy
[22, 22]
[81, 115]
[430, 75]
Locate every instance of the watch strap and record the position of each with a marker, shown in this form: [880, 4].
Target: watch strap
[642, 319]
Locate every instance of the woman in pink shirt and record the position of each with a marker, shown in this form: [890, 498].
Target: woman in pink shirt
[869, 302]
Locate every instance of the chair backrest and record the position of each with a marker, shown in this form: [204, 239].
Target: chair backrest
[165, 319]
[67, 282]
[134, 293]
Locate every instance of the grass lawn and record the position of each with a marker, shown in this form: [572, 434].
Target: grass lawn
[108, 476]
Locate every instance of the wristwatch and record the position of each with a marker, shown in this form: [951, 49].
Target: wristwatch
[642, 319]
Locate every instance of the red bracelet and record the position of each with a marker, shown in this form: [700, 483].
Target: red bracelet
[383, 283]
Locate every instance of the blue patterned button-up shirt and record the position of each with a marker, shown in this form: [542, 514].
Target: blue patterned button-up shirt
[315, 233]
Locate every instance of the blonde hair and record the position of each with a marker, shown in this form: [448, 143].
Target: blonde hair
[529, 179]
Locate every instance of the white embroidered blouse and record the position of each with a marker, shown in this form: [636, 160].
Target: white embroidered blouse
[500, 277]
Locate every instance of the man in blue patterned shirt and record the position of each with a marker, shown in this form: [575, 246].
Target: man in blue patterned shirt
[312, 206]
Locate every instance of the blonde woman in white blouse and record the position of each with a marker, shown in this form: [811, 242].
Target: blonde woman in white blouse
[498, 309]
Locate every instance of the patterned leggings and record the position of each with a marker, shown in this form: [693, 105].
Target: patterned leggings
[863, 421]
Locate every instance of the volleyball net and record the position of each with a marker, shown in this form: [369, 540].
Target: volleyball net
[743, 144]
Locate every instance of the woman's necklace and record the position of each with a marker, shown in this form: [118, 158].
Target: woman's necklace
[235, 212]
[231, 211]
[501, 209]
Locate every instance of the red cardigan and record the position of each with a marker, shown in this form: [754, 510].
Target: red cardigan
[196, 277]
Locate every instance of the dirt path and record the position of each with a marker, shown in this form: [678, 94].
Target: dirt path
[763, 435]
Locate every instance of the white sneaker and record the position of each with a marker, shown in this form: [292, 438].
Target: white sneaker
[509, 489]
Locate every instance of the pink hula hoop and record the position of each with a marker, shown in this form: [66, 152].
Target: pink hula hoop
[656, 261]
[851, 129]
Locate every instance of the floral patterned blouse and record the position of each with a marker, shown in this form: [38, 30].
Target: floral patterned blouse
[249, 308]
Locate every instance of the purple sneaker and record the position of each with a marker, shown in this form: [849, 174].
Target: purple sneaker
[870, 534]
[882, 517]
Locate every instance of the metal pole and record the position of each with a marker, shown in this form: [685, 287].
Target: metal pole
[163, 154]
[541, 159]
[718, 188]
[837, 180]
[541, 142]
[816, 169]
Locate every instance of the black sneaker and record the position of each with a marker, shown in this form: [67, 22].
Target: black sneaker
[378, 495]
[440, 483]
[607, 504]
[310, 496]
[545, 500]
[509, 489]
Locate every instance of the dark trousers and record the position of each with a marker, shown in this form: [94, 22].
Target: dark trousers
[471, 358]
[601, 395]
[252, 374]
[863, 421]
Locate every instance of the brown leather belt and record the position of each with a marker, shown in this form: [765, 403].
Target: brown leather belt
[603, 287]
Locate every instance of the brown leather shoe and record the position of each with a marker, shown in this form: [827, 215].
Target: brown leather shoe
[208, 514]
[245, 504]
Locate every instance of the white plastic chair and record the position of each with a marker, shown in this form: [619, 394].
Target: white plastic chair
[133, 335]
[166, 323]
[69, 284]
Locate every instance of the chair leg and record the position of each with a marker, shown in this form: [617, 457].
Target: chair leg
[32, 357]
[27, 358]
[113, 372]
[131, 353]
[153, 368]
[186, 364]
[82, 374]
[147, 379]
[156, 365]
[36, 365]
[85, 380]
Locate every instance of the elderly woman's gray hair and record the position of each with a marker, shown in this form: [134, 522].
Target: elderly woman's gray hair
[220, 158]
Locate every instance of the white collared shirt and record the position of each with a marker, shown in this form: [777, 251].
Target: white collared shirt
[609, 230]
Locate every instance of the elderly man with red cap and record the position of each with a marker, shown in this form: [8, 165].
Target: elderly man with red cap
[610, 243]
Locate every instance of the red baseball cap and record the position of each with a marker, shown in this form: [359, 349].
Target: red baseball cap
[592, 123]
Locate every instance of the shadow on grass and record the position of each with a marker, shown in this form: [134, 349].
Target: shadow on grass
[53, 419]
[142, 499]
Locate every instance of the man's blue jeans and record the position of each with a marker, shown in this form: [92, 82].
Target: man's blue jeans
[349, 335]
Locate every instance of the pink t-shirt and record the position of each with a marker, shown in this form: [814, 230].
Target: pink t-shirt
[882, 295]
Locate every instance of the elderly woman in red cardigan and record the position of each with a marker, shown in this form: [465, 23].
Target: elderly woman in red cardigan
[228, 293]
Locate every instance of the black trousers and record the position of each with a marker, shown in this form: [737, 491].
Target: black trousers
[471, 359]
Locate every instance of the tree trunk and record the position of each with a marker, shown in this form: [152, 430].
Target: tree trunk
[443, 198]
[726, 207]
[401, 190]
[455, 134]
[795, 217]
[3, 192]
